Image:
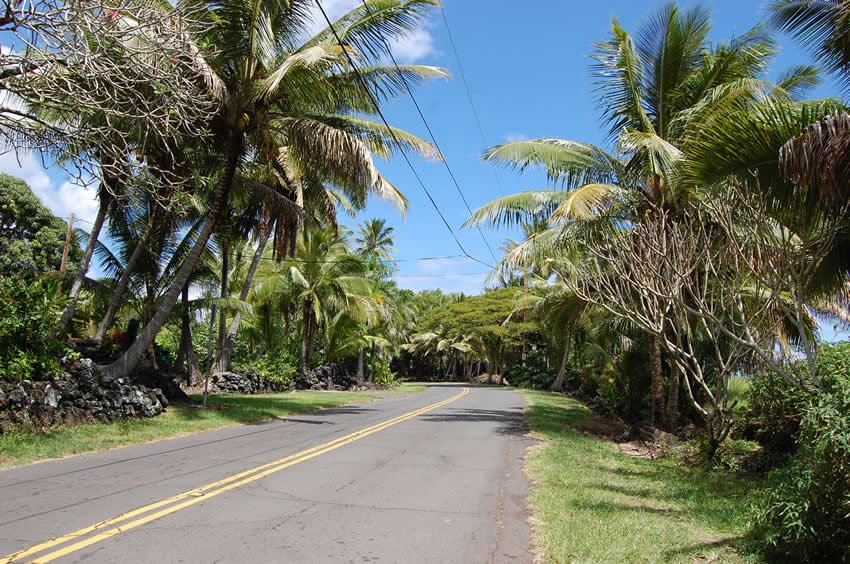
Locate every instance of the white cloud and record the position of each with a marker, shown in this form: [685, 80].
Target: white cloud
[414, 47]
[63, 200]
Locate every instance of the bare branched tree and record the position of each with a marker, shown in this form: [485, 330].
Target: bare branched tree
[102, 82]
[720, 278]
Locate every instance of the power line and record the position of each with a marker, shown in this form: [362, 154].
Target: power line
[431, 134]
[392, 133]
[463, 77]
[467, 89]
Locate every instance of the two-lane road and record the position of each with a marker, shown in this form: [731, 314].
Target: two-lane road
[429, 477]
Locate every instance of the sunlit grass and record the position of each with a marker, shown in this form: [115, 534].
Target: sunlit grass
[593, 503]
[23, 447]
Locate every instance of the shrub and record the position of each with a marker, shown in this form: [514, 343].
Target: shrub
[805, 514]
[29, 310]
[278, 366]
[382, 375]
[776, 406]
[530, 376]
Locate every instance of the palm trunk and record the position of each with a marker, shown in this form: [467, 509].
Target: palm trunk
[306, 338]
[124, 280]
[224, 291]
[657, 417]
[372, 371]
[558, 384]
[77, 285]
[230, 341]
[360, 356]
[193, 371]
[130, 359]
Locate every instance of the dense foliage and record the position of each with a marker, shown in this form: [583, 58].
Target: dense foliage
[28, 312]
[31, 237]
[661, 275]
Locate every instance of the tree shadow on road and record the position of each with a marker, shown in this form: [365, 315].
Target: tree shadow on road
[510, 422]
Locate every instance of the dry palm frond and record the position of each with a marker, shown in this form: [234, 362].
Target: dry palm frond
[820, 156]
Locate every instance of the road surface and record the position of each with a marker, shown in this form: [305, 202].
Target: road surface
[428, 477]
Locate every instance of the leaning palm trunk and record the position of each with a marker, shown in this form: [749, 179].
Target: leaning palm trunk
[77, 285]
[558, 384]
[230, 340]
[130, 359]
[124, 280]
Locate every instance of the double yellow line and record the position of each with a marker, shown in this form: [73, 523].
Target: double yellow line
[146, 514]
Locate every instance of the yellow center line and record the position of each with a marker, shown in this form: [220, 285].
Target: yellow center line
[198, 495]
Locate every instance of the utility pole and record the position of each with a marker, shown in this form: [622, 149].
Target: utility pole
[63, 265]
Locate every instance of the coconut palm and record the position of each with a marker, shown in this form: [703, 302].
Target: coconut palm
[299, 106]
[322, 279]
[820, 156]
[655, 89]
[823, 26]
[375, 238]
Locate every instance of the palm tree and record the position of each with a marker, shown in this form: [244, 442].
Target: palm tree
[655, 89]
[375, 238]
[322, 279]
[823, 26]
[294, 105]
[820, 156]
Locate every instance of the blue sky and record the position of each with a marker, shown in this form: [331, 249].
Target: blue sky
[527, 68]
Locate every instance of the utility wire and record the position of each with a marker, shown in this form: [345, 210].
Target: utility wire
[468, 90]
[463, 77]
[431, 133]
[377, 107]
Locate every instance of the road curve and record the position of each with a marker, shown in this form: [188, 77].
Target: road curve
[429, 477]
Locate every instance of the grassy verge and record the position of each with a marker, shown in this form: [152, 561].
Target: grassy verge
[408, 387]
[594, 503]
[17, 448]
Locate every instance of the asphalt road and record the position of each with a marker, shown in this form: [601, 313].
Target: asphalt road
[428, 477]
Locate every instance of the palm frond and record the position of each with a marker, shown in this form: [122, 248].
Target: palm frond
[570, 162]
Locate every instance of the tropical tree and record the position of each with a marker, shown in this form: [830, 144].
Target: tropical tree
[655, 89]
[819, 157]
[374, 238]
[293, 104]
[322, 280]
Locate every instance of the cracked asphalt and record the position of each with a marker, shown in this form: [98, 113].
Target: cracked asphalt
[444, 486]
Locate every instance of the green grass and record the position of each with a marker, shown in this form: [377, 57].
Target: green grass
[17, 448]
[407, 387]
[593, 503]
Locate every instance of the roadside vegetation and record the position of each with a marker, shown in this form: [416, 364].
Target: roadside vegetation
[585, 493]
[675, 278]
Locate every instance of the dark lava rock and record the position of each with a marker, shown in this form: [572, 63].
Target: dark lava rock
[327, 377]
[146, 375]
[247, 383]
[78, 394]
